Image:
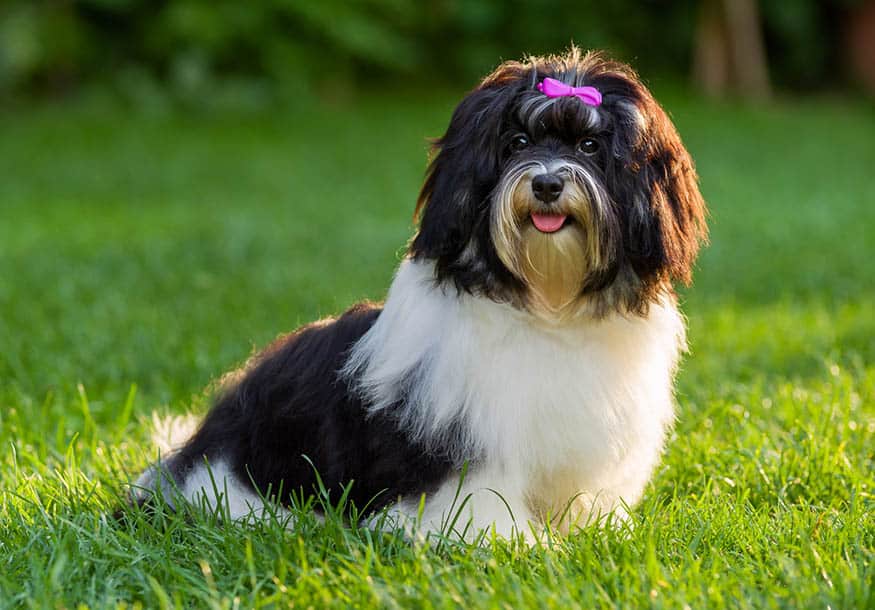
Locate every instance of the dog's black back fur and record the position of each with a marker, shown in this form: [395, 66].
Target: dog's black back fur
[291, 413]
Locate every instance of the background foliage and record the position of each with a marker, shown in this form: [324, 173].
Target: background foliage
[214, 50]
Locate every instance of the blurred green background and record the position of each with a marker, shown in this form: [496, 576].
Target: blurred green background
[156, 155]
[227, 52]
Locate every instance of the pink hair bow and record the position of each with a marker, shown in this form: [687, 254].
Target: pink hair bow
[555, 88]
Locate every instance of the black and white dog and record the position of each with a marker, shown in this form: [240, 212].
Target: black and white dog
[529, 338]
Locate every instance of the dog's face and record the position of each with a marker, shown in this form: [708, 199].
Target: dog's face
[557, 206]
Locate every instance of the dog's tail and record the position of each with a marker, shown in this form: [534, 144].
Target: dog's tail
[163, 478]
[171, 432]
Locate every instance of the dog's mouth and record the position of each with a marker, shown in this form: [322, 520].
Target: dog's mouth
[549, 223]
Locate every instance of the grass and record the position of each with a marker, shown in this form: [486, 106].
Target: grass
[143, 256]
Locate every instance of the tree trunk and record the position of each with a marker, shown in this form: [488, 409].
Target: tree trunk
[860, 45]
[729, 54]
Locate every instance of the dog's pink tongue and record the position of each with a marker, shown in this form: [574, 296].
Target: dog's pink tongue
[548, 223]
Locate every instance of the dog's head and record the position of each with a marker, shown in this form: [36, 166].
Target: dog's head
[556, 204]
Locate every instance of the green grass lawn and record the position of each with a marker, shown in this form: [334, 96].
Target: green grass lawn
[141, 257]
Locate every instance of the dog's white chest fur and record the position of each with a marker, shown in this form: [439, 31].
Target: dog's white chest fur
[544, 413]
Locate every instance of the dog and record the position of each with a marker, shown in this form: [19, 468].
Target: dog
[519, 375]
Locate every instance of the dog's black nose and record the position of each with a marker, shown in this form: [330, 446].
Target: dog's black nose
[547, 187]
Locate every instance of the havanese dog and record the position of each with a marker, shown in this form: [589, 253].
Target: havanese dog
[519, 374]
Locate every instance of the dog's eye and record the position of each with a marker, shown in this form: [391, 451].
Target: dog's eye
[588, 146]
[519, 142]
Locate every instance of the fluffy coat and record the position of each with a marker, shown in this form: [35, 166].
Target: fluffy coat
[538, 363]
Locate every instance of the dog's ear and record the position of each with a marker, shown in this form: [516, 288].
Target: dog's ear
[462, 173]
[665, 212]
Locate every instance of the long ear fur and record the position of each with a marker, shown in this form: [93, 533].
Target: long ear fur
[463, 171]
[666, 221]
